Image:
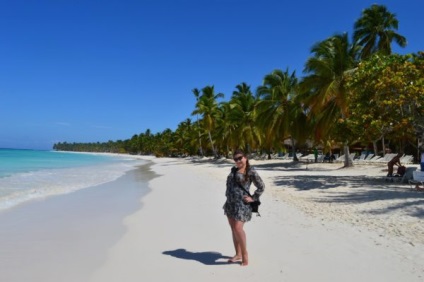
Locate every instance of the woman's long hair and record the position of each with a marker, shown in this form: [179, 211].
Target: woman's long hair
[246, 172]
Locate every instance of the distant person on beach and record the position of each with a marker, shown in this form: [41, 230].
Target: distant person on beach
[329, 158]
[237, 208]
[392, 163]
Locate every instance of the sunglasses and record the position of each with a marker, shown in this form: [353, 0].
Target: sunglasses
[238, 159]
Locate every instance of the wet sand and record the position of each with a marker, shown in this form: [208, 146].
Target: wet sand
[63, 238]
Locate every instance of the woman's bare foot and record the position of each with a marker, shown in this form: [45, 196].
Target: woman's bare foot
[245, 260]
[235, 258]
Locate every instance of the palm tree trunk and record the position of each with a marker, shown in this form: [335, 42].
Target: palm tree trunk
[383, 143]
[294, 150]
[374, 144]
[200, 146]
[347, 162]
[213, 148]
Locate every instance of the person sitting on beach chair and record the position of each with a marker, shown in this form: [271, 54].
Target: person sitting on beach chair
[392, 163]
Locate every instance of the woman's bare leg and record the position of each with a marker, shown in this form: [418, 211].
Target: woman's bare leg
[237, 256]
[239, 239]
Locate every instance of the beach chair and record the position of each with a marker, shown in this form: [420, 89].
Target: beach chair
[374, 159]
[417, 179]
[387, 158]
[298, 155]
[361, 158]
[407, 159]
[261, 157]
[408, 174]
[282, 156]
[369, 157]
[308, 157]
[340, 159]
[406, 178]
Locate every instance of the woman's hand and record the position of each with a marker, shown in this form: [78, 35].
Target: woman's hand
[247, 199]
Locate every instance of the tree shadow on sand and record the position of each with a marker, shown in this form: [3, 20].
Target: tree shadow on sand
[207, 258]
[358, 190]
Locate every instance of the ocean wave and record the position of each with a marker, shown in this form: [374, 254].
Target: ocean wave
[22, 187]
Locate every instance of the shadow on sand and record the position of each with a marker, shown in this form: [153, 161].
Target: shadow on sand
[376, 189]
[207, 258]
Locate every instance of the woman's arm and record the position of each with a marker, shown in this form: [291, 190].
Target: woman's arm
[259, 184]
[228, 184]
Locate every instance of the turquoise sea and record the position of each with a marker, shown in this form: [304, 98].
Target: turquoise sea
[30, 174]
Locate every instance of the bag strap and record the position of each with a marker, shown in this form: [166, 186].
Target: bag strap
[239, 184]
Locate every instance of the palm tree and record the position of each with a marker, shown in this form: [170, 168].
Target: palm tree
[242, 113]
[274, 118]
[375, 30]
[300, 127]
[146, 142]
[324, 89]
[207, 106]
[196, 93]
[183, 136]
[225, 132]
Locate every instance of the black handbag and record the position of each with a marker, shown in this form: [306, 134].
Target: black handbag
[255, 204]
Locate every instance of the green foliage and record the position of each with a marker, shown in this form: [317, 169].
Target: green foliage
[375, 31]
[276, 107]
[386, 96]
[324, 88]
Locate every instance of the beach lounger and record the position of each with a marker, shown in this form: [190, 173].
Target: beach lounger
[407, 159]
[308, 157]
[342, 158]
[261, 157]
[374, 159]
[408, 174]
[417, 179]
[369, 157]
[387, 158]
[406, 178]
[298, 155]
[361, 158]
[366, 160]
[282, 157]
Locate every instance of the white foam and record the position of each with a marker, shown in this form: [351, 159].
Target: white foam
[22, 187]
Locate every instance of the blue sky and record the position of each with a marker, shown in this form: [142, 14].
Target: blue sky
[88, 71]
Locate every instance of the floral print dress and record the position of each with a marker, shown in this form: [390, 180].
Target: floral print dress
[235, 207]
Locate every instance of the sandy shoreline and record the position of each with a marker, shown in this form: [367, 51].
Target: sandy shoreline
[322, 223]
[296, 239]
[65, 237]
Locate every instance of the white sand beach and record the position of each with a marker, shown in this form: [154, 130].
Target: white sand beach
[319, 222]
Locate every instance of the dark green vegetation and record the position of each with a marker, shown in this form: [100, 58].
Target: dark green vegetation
[354, 92]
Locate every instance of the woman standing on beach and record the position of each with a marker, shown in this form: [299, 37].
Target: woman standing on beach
[237, 207]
